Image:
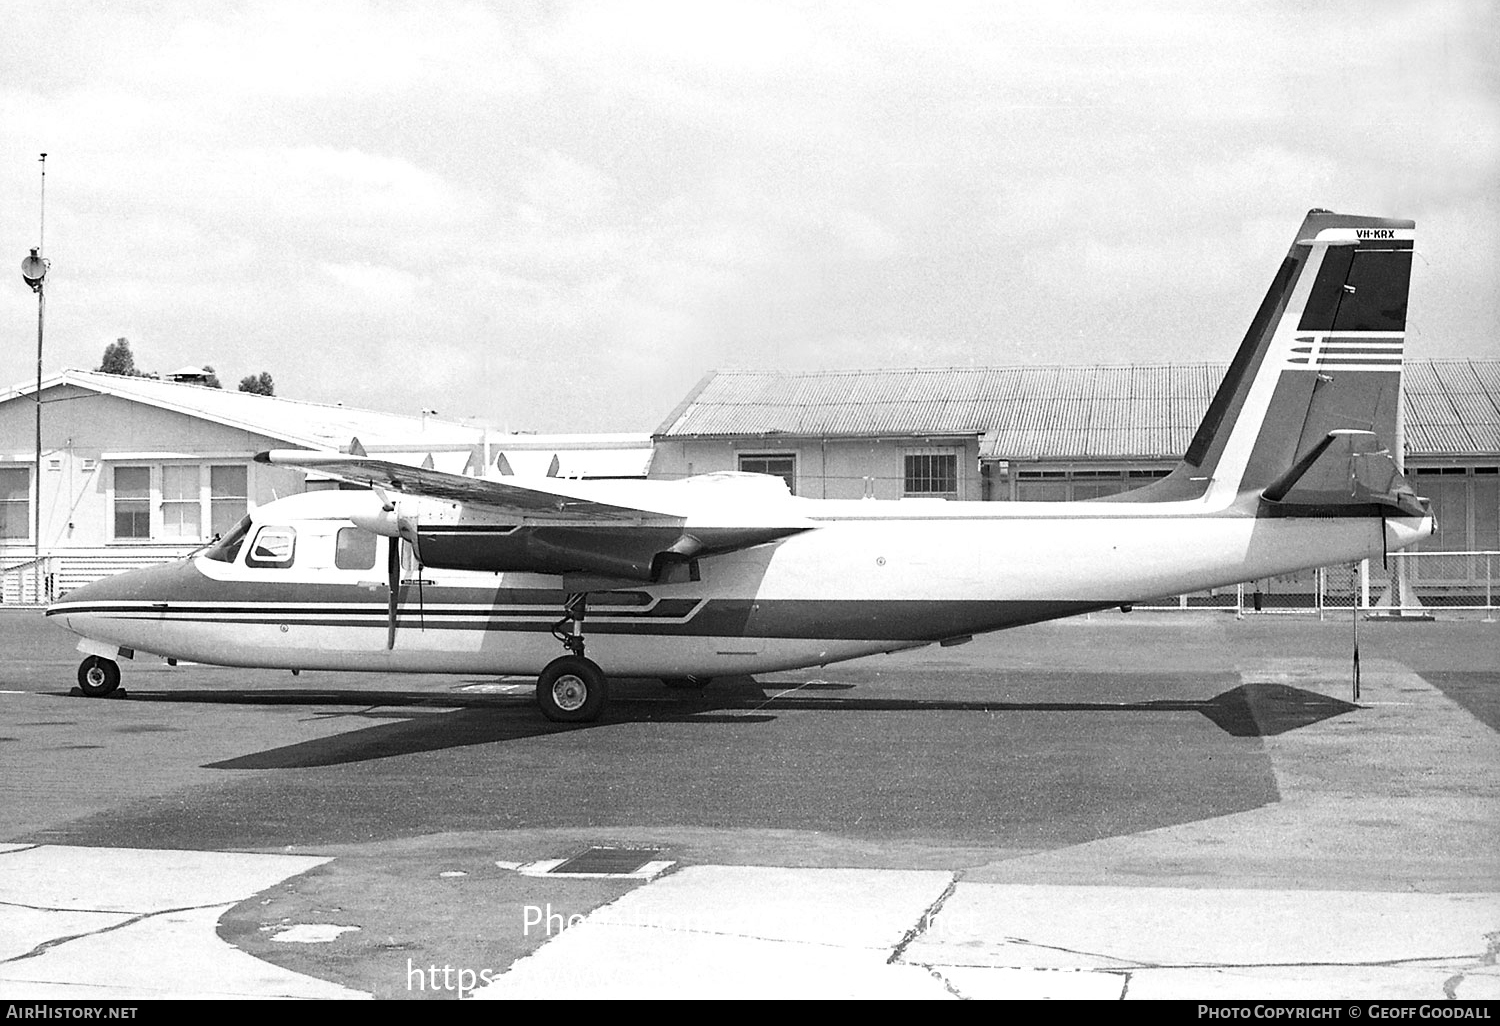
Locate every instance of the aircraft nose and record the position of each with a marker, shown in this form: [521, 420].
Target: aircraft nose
[122, 594]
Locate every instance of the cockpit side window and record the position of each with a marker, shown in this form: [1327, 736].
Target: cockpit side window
[273, 547]
[354, 550]
[227, 548]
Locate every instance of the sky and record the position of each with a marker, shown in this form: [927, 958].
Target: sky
[558, 217]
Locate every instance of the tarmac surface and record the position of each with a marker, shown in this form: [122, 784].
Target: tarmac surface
[1126, 805]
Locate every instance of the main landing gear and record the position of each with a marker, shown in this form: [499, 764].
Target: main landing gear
[572, 688]
[98, 676]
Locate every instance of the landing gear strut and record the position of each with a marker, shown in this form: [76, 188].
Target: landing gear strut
[98, 676]
[569, 630]
[572, 689]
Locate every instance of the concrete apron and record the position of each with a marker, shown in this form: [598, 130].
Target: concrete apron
[1375, 876]
[131, 924]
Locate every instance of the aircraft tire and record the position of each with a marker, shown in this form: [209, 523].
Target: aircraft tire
[98, 676]
[572, 690]
[686, 683]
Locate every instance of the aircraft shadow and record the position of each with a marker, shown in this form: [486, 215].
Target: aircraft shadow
[1250, 710]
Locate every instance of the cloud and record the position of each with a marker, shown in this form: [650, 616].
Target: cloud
[568, 213]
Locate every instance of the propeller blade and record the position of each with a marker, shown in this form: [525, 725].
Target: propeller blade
[393, 578]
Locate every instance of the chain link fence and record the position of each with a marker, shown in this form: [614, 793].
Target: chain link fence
[1405, 582]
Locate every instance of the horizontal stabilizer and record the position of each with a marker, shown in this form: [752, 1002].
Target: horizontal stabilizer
[1347, 473]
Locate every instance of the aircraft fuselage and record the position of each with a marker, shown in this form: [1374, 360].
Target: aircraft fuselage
[868, 577]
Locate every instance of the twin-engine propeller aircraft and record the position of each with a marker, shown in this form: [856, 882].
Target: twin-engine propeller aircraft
[1291, 468]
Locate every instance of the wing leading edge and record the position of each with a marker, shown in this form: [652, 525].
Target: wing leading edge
[557, 502]
[631, 530]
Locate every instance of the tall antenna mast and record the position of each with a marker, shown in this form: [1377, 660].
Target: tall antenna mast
[34, 270]
[41, 242]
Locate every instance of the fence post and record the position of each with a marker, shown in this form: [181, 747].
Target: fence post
[1489, 582]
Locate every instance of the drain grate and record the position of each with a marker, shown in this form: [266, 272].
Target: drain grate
[606, 861]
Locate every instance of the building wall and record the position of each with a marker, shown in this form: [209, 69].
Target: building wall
[1069, 480]
[1465, 499]
[87, 438]
[831, 468]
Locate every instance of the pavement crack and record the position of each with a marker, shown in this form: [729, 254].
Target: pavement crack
[48, 945]
[937, 974]
[1131, 962]
[53, 908]
[924, 921]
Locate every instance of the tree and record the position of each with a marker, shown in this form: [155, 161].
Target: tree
[260, 384]
[118, 359]
[212, 381]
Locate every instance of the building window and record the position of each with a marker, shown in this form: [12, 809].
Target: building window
[1080, 485]
[132, 502]
[782, 465]
[932, 474]
[15, 502]
[181, 509]
[186, 502]
[229, 498]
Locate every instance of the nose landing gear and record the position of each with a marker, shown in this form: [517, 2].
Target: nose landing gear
[98, 676]
[572, 688]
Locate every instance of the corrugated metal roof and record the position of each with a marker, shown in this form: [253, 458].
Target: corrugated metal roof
[1052, 412]
[1451, 407]
[298, 423]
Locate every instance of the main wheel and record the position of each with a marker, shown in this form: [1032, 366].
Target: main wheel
[98, 676]
[572, 690]
[686, 683]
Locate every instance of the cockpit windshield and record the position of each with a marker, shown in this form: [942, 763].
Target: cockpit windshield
[228, 547]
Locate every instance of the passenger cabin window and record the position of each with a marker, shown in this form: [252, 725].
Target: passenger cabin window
[354, 549]
[273, 547]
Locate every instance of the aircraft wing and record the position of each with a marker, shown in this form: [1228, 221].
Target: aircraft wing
[557, 502]
[621, 530]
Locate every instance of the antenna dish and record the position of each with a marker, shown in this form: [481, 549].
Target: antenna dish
[34, 269]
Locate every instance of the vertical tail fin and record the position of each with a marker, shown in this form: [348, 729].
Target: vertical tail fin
[1322, 360]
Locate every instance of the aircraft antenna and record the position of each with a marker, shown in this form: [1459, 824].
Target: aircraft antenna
[1354, 605]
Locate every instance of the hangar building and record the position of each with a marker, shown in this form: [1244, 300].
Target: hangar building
[1047, 433]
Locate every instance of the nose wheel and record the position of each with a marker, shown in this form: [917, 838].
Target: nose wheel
[98, 676]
